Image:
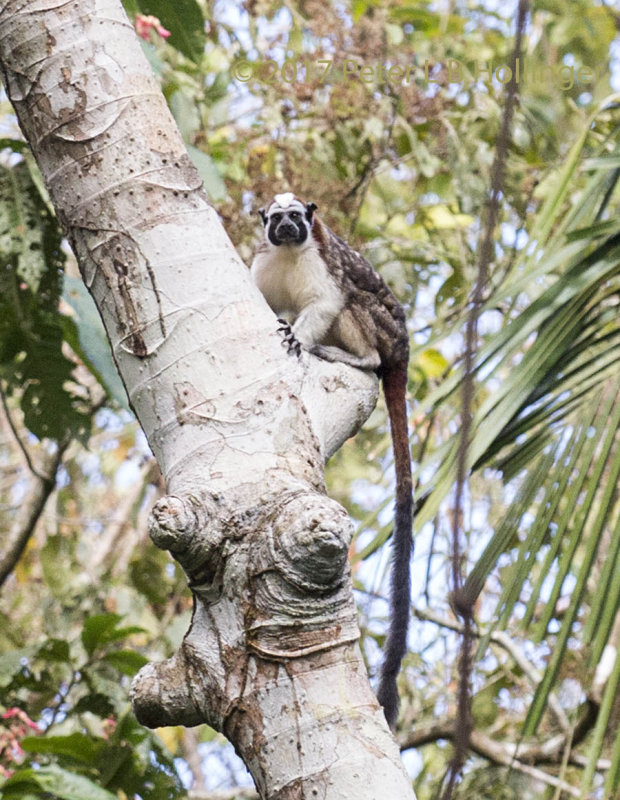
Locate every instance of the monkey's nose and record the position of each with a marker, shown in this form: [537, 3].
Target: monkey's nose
[286, 232]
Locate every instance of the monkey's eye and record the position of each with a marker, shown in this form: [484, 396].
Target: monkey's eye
[295, 216]
[276, 217]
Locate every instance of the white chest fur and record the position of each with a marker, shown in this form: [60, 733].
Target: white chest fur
[292, 277]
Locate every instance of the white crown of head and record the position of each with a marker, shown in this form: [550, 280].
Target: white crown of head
[286, 201]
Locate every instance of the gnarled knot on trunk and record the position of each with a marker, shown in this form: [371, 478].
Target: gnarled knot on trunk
[310, 541]
[271, 589]
[191, 529]
[299, 583]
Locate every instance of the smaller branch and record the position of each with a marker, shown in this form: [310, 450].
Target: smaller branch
[113, 551]
[29, 514]
[63, 693]
[192, 756]
[17, 438]
[511, 647]
[491, 750]
[550, 752]
[579, 760]
[518, 756]
[503, 640]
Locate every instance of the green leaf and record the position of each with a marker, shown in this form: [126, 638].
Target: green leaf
[601, 513]
[22, 231]
[184, 20]
[612, 780]
[214, 184]
[185, 114]
[95, 703]
[102, 629]
[418, 16]
[32, 362]
[126, 661]
[147, 571]
[96, 628]
[131, 7]
[78, 746]
[55, 650]
[47, 406]
[11, 664]
[550, 211]
[60, 782]
[88, 338]
[590, 232]
[432, 362]
[16, 145]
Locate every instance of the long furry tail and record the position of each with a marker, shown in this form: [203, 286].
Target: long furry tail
[394, 387]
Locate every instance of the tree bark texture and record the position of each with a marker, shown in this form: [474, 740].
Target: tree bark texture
[239, 428]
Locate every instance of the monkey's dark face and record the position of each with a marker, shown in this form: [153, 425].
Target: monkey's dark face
[286, 227]
[288, 221]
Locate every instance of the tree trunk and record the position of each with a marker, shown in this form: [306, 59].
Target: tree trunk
[239, 428]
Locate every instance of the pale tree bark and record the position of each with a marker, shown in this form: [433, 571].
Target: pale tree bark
[239, 428]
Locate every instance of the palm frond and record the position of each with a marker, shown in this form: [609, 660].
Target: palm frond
[547, 416]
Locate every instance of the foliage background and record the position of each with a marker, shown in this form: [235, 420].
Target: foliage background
[401, 168]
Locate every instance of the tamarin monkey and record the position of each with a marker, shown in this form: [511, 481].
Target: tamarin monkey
[342, 310]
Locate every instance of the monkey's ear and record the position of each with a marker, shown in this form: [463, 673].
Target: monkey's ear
[263, 216]
[310, 209]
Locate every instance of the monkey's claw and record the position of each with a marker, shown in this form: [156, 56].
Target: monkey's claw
[288, 338]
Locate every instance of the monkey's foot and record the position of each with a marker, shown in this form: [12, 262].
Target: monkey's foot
[288, 338]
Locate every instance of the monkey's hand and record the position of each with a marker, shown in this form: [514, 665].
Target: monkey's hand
[288, 338]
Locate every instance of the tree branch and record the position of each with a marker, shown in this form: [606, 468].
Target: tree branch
[493, 751]
[112, 550]
[510, 646]
[41, 486]
[17, 437]
[26, 520]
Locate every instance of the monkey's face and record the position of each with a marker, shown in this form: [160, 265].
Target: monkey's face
[287, 221]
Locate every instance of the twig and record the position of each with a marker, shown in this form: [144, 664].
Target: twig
[30, 511]
[17, 437]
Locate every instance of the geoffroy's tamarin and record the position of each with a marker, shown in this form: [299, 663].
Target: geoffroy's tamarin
[342, 310]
